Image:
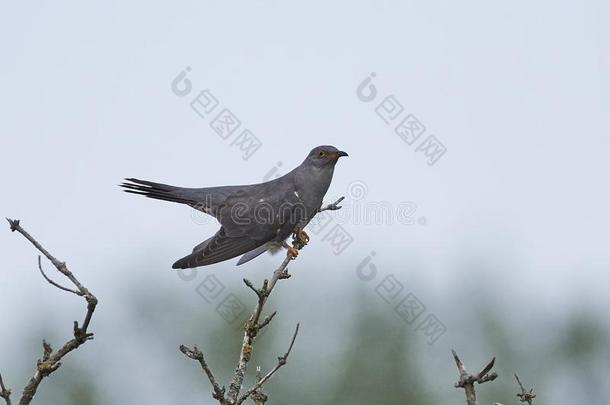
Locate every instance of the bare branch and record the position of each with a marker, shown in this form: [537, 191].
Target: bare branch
[467, 380]
[61, 287]
[60, 266]
[258, 396]
[196, 354]
[525, 395]
[332, 207]
[4, 392]
[50, 360]
[252, 327]
[281, 361]
[267, 320]
[251, 330]
[259, 293]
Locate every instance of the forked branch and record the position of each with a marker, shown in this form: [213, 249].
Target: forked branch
[5, 393]
[525, 395]
[50, 360]
[281, 361]
[467, 380]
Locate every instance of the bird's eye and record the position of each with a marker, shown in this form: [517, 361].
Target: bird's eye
[321, 154]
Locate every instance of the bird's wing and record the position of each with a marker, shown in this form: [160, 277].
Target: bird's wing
[202, 245]
[218, 248]
[250, 218]
[253, 254]
[260, 211]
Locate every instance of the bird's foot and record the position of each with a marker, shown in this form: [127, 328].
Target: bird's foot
[292, 252]
[299, 238]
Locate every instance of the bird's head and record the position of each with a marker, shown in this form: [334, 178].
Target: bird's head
[324, 155]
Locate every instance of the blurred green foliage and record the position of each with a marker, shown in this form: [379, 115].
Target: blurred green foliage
[379, 360]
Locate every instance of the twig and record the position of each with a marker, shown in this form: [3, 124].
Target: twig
[332, 207]
[251, 329]
[253, 325]
[281, 361]
[61, 287]
[467, 380]
[525, 395]
[267, 320]
[196, 354]
[4, 392]
[50, 360]
[258, 396]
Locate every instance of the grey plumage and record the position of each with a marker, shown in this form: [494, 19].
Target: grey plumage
[253, 254]
[252, 217]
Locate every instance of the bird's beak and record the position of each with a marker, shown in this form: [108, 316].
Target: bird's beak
[341, 153]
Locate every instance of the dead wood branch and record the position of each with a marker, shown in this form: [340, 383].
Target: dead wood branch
[4, 392]
[525, 395]
[51, 360]
[281, 361]
[467, 380]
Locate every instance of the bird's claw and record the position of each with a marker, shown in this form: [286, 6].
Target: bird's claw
[292, 252]
[300, 238]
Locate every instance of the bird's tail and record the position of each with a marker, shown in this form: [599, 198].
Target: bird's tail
[160, 191]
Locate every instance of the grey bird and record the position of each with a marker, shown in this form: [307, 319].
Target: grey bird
[254, 218]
